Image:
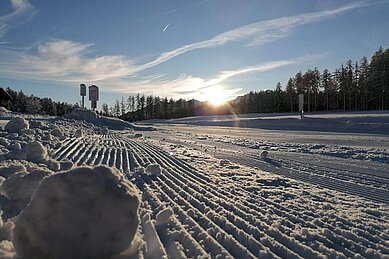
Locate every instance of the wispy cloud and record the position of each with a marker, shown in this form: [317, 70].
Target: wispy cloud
[64, 61]
[188, 86]
[258, 33]
[21, 8]
[67, 62]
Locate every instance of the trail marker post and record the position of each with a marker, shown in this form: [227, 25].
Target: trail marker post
[83, 94]
[301, 106]
[93, 96]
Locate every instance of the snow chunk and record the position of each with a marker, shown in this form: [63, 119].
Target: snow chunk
[78, 133]
[57, 133]
[14, 146]
[65, 165]
[264, 154]
[5, 228]
[6, 171]
[82, 213]
[224, 162]
[35, 152]
[3, 110]
[19, 187]
[153, 169]
[28, 131]
[163, 217]
[6, 250]
[16, 125]
[4, 141]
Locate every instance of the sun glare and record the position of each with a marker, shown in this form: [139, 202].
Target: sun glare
[216, 96]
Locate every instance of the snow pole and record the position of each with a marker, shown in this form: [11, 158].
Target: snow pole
[301, 106]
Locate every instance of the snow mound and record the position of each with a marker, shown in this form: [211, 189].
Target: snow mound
[82, 213]
[16, 125]
[94, 118]
[153, 169]
[264, 154]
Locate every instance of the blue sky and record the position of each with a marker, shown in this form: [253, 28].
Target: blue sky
[176, 48]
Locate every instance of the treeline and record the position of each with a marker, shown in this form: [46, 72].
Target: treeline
[354, 86]
[31, 104]
[141, 107]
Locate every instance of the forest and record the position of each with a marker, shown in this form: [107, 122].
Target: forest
[354, 86]
[31, 104]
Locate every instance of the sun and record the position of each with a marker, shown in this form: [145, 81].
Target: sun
[216, 95]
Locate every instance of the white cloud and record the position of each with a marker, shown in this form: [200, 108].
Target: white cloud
[188, 86]
[22, 10]
[65, 61]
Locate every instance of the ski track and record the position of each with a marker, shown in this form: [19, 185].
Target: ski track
[368, 179]
[212, 221]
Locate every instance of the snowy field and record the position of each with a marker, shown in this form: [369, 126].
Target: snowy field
[205, 189]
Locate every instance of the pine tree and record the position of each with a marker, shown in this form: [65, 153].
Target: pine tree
[291, 93]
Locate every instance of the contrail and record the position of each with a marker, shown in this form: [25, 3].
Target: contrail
[164, 29]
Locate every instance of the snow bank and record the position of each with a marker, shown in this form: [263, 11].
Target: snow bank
[153, 169]
[94, 118]
[16, 125]
[82, 213]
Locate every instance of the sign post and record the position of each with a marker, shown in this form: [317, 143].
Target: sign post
[83, 94]
[93, 96]
[301, 106]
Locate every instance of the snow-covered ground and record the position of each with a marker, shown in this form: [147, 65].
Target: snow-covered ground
[349, 122]
[205, 191]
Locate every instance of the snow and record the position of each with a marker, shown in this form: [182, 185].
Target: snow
[202, 191]
[57, 133]
[163, 217]
[264, 154]
[153, 169]
[92, 117]
[6, 250]
[82, 213]
[16, 125]
[20, 186]
[78, 133]
[35, 152]
[376, 122]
